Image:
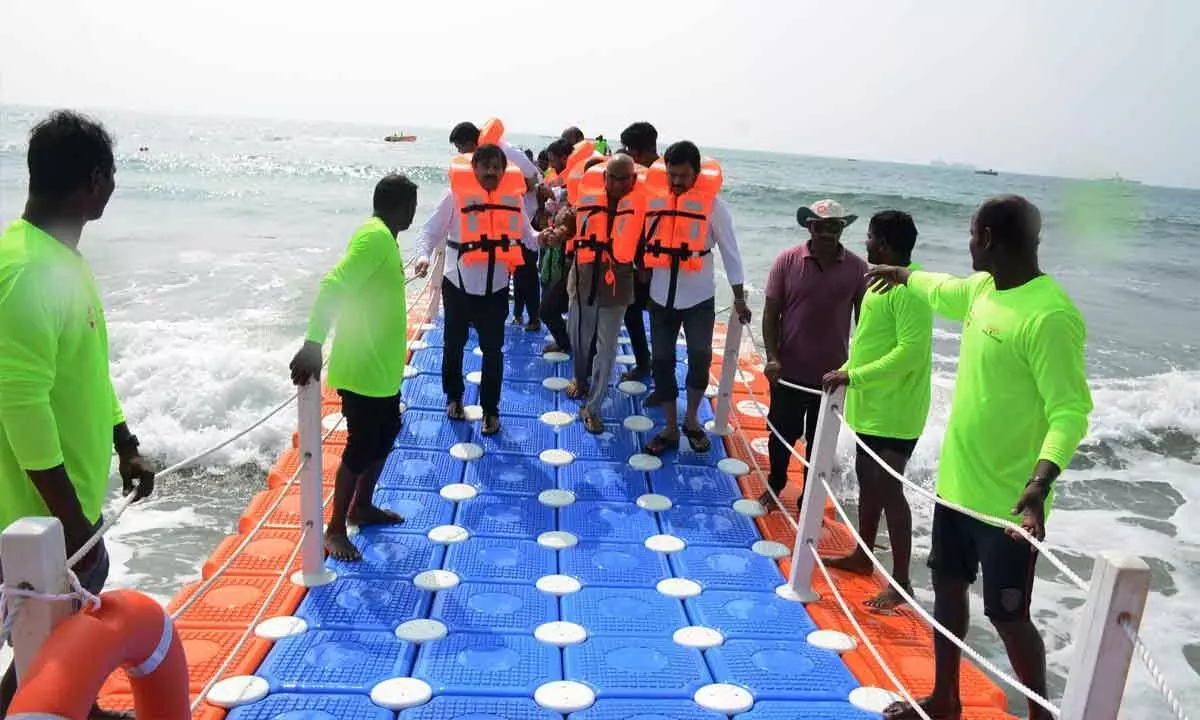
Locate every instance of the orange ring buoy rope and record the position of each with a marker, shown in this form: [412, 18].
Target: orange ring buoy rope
[129, 630]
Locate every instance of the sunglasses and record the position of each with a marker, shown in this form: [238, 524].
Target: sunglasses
[828, 226]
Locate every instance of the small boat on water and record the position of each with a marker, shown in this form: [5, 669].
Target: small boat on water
[993, 173]
[400, 137]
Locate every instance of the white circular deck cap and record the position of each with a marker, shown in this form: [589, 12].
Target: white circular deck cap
[632, 387]
[771, 549]
[417, 344]
[558, 585]
[761, 445]
[421, 630]
[626, 359]
[785, 592]
[278, 628]
[401, 693]
[557, 540]
[403, 407]
[331, 421]
[555, 384]
[654, 502]
[478, 352]
[556, 498]
[556, 357]
[560, 634]
[724, 698]
[557, 418]
[428, 326]
[564, 696]
[434, 580]
[638, 423]
[474, 413]
[749, 508]
[457, 492]
[466, 451]
[679, 588]
[744, 375]
[556, 457]
[752, 408]
[475, 377]
[681, 341]
[238, 690]
[410, 372]
[712, 391]
[701, 638]
[838, 642]
[732, 466]
[872, 699]
[665, 544]
[447, 534]
[644, 462]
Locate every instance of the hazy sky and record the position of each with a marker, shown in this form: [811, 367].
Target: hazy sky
[1086, 87]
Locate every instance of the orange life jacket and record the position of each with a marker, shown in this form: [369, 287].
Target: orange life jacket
[677, 225]
[576, 167]
[490, 223]
[491, 132]
[599, 234]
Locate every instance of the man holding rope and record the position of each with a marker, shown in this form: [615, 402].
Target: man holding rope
[1020, 409]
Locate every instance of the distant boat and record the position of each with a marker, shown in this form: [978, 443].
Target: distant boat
[1127, 181]
[400, 137]
[986, 172]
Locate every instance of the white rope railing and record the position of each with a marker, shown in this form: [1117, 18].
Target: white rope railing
[1156, 675]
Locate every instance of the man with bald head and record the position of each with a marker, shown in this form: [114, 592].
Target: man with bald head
[1020, 409]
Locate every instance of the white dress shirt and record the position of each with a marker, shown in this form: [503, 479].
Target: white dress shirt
[444, 224]
[529, 170]
[694, 288]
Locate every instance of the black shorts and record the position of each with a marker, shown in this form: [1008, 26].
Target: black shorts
[900, 446]
[372, 424]
[961, 544]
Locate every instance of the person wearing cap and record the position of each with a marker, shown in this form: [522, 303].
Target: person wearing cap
[887, 381]
[812, 291]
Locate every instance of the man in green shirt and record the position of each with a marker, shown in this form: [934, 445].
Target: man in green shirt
[365, 294]
[59, 415]
[887, 399]
[1020, 409]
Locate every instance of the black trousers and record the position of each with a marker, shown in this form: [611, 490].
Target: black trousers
[635, 323]
[554, 306]
[487, 313]
[697, 323]
[794, 414]
[526, 286]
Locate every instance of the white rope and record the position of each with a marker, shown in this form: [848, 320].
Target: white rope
[1156, 674]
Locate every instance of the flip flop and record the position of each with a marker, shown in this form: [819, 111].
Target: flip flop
[698, 439]
[660, 444]
[454, 410]
[591, 422]
[575, 391]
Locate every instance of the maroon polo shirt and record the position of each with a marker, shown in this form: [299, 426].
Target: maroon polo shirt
[815, 306]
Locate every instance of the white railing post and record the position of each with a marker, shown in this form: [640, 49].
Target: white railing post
[436, 271]
[312, 500]
[34, 554]
[1096, 681]
[812, 509]
[729, 366]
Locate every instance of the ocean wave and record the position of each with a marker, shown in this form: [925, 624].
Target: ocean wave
[863, 203]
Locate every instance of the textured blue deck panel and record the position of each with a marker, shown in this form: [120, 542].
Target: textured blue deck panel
[437, 336]
[783, 710]
[727, 568]
[407, 469]
[710, 525]
[526, 399]
[489, 665]
[615, 709]
[608, 522]
[615, 443]
[510, 474]
[624, 611]
[685, 456]
[528, 345]
[478, 708]
[614, 565]
[782, 670]
[517, 436]
[695, 485]
[528, 368]
[362, 604]
[390, 554]
[657, 413]
[420, 510]
[636, 667]
[505, 516]
[429, 430]
[494, 608]
[424, 392]
[429, 361]
[613, 482]
[742, 614]
[335, 661]
[304, 706]
[501, 560]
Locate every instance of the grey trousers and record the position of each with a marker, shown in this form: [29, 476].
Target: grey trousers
[594, 328]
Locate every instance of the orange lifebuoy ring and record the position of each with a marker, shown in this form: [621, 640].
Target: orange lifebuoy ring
[129, 630]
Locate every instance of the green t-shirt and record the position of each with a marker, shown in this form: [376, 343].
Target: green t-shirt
[364, 293]
[891, 360]
[57, 404]
[1021, 394]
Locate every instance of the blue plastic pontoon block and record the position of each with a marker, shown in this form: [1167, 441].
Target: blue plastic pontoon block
[501, 560]
[372, 603]
[420, 510]
[633, 667]
[510, 474]
[704, 412]
[695, 485]
[614, 444]
[614, 565]
[826, 710]
[727, 568]
[335, 661]
[525, 399]
[408, 469]
[612, 482]
[517, 436]
[782, 669]
[616, 405]
[429, 361]
[624, 611]
[710, 525]
[429, 430]
[305, 706]
[494, 608]
[424, 392]
[529, 368]
[642, 709]
[490, 665]
[389, 554]
[742, 614]
[447, 707]
[505, 516]
[608, 522]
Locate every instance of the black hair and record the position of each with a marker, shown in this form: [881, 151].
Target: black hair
[489, 153]
[573, 135]
[640, 137]
[394, 191]
[464, 133]
[561, 147]
[1013, 220]
[897, 228]
[592, 162]
[543, 157]
[683, 152]
[65, 150]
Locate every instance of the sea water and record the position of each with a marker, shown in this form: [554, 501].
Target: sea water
[210, 253]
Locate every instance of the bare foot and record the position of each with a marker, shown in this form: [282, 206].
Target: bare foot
[491, 425]
[339, 547]
[767, 501]
[856, 562]
[936, 710]
[888, 598]
[373, 515]
[454, 410]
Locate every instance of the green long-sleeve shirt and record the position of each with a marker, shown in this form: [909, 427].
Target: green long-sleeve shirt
[57, 404]
[1021, 394]
[365, 294]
